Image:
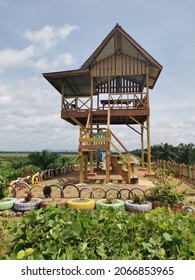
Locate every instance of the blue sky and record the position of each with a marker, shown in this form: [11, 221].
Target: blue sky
[46, 36]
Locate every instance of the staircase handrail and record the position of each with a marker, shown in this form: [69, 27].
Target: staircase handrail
[118, 151]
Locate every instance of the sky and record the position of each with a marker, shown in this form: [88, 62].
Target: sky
[47, 36]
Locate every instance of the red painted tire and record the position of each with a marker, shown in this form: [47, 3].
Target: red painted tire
[49, 201]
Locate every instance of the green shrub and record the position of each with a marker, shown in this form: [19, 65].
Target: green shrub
[5, 239]
[56, 234]
[3, 187]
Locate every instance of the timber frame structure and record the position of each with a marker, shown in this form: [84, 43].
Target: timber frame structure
[111, 88]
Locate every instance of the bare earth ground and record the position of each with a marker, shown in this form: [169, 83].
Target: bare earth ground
[98, 181]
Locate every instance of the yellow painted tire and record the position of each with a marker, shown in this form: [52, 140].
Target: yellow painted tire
[11, 186]
[35, 179]
[81, 204]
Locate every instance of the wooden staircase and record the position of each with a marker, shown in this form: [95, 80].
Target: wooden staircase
[119, 167]
[99, 139]
[122, 172]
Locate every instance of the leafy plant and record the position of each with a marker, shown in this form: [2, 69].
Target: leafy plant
[3, 187]
[138, 199]
[61, 234]
[5, 240]
[164, 191]
[110, 200]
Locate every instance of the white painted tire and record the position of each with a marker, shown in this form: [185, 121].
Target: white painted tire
[133, 207]
[21, 205]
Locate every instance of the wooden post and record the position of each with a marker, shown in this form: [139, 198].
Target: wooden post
[108, 115]
[91, 162]
[142, 146]
[148, 122]
[62, 100]
[85, 166]
[108, 158]
[81, 167]
[108, 137]
[129, 168]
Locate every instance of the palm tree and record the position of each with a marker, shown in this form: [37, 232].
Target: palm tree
[155, 152]
[168, 152]
[186, 153]
[44, 159]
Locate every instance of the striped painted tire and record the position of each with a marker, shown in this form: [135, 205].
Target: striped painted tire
[188, 209]
[49, 201]
[22, 206]
[117, 204]
[6, 203]
[80, 203]
[133, 207]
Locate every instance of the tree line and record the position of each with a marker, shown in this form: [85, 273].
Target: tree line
[183, 153]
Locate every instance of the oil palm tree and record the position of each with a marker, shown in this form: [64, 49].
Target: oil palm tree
[186, 153]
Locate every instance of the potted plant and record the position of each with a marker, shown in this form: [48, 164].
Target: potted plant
[110, 203]
[138, 203]
[81, 203]
[49, 200]
[27, 203]
[167, 195]
[5, 202]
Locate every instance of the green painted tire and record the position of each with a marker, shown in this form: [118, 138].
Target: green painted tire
[118, 204]
[7, 203]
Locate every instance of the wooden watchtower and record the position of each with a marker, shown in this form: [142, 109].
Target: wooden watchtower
[111, 88]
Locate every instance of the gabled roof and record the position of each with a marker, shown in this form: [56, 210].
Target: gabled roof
[118, 41]
[77, 82]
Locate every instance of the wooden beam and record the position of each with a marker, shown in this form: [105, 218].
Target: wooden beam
[131, 117]
[134, 129]
[77, 122]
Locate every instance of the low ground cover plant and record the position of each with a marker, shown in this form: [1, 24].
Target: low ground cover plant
[54, 233]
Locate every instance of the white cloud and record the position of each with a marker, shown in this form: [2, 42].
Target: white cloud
[5, 100]
[34, 55]
[11, 57]
[47, 37]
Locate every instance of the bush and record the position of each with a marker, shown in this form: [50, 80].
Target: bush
[164, 191]
[56, 234]
[3, 187]
[5, 239]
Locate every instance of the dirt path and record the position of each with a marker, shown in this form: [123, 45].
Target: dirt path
[98, 181]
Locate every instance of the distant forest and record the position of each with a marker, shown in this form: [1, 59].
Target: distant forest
[183, 153]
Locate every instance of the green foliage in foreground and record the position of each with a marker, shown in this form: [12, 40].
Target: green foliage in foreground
[55, 234]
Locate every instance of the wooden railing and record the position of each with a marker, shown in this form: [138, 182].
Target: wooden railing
[180, 170]
[100, 139]
[136, 100]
